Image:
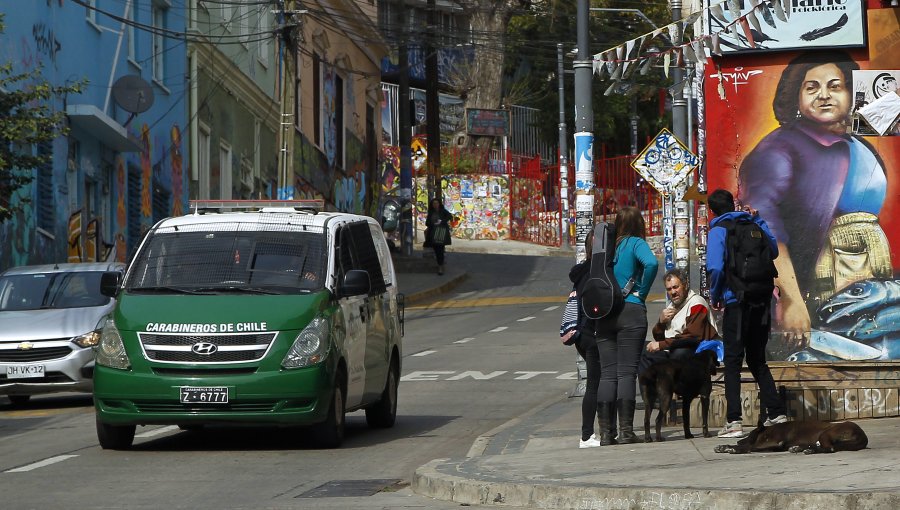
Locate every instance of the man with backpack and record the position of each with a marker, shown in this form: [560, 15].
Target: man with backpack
[740, 254]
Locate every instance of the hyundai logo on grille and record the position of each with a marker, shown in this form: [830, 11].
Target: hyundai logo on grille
[204, 348]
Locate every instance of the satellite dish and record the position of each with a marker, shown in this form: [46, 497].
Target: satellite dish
[133, 94]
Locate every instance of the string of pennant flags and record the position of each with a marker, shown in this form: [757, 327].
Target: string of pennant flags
[619, 63]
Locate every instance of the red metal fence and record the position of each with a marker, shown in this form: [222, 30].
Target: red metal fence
[535, 207]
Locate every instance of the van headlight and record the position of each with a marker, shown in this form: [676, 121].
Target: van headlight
[310, 346]
[110, 352]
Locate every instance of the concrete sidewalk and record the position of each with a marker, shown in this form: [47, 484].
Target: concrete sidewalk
[534, 461]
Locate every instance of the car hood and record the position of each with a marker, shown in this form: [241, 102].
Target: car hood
[52, 324]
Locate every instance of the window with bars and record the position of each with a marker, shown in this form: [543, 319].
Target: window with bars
[44, 204]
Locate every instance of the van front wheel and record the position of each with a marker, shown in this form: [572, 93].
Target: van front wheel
[330, 433]
[383, 414]
[115, 437]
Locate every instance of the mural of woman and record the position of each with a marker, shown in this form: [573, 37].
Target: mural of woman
[819, 188]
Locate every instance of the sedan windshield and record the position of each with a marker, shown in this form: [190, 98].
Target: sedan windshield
[219, 262]
[43, 291]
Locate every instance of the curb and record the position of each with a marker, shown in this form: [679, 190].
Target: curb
[447, 480]
[422, 295]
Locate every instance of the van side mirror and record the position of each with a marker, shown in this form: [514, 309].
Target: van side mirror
[109, 283]
[356, 282]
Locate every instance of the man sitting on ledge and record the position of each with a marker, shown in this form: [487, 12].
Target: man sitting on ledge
[682, 325]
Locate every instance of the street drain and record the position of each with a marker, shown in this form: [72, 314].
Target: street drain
[351, 488]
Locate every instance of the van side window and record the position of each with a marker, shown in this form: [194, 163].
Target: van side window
[357, 251]
[383, 252]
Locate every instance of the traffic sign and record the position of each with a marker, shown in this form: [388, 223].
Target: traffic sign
[665, 162]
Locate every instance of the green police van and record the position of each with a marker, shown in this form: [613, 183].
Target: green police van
[256, 312]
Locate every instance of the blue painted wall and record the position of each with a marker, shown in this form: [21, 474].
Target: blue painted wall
[101, 199]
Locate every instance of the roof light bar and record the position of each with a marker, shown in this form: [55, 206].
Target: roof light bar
[255, 205]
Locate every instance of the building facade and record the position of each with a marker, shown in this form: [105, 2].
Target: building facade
[121, 167]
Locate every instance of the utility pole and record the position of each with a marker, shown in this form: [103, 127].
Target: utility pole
[432, 106]
[584, 136]
[404, 136]
[584, 146]
[680, 130]
[563, 153]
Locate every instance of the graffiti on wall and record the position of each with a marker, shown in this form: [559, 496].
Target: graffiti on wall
[45, 41]
[825, 193]
[87, 244]
[121, 212]
[480, 204]
[329, 127]
[177, 174]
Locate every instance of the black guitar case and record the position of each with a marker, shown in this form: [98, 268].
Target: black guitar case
[602, 296]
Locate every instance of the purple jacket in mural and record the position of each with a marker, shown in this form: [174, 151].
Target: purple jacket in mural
[794, 177]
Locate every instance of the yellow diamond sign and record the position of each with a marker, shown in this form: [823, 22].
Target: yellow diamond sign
[665, 162]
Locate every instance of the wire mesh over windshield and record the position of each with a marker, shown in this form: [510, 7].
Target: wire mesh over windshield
[276, 257]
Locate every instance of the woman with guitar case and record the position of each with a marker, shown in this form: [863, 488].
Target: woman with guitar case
[622, 270]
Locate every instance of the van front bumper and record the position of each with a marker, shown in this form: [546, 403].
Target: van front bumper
[284, 397]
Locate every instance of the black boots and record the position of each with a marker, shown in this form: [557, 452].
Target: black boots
[626, 421]
[606, 416]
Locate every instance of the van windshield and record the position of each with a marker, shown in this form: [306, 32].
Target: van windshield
[44, 291]
[230, 261]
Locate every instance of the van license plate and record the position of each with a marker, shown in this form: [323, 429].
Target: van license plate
[24, 371]
[204, 394]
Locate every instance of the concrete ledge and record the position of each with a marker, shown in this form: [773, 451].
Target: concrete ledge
[443, 479]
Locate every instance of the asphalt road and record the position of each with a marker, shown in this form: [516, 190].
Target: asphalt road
[473, 360]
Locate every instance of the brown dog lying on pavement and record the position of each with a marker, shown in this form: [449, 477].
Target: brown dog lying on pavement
[801, 436]
[688, 379]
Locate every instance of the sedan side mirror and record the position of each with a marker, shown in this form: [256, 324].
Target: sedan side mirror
[109, 283]
[356, 282]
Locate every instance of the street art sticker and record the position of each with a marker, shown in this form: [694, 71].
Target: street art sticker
[665, 162]
[826, 195]
[875, 103]
[584, 161]
[481, 217]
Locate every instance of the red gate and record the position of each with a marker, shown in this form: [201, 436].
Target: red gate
[535, 206]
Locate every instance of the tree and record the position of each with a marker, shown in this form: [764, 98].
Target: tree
[26, 118]
[530, 77]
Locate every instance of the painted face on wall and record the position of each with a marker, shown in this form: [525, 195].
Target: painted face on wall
[824, 97]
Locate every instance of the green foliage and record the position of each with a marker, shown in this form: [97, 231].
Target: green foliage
[530, 68]
[26, 119]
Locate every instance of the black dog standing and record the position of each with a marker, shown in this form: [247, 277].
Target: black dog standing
[688, 378]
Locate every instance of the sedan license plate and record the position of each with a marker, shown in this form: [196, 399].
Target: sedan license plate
[24, 371]
[203, 394]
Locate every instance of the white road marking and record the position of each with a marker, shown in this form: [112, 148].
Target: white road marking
[497, 330]
[426, 375]
[528, 375]
[40, 464]
[424, 353]
[453, 375]
[464, 340]
[524, 319]
[551, 308]
[157, 432]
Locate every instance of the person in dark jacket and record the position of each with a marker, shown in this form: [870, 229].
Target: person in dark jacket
[437, 231]
[586, 345]
[745, 326]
